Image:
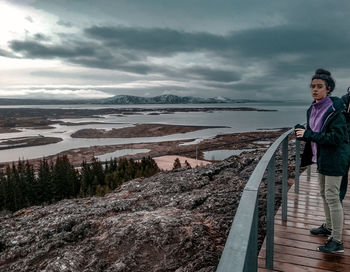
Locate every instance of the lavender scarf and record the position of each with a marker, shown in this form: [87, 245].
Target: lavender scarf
[316, 120]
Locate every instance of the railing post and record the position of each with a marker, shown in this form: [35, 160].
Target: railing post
[308, 172]
[297, 166]
[284, 178]
[251, 263]
[270, 217]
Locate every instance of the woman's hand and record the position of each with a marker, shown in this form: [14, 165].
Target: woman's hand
[299, 132]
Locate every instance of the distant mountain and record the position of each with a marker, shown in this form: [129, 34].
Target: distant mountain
[127, 99]
[164, 99]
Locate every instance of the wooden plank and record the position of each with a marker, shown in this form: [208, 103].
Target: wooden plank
[308, 220]
[306, 237]
[282, 266]
[322, 263]
[265, 270]
[301, 231]
[303, 225]
[295, 248]
[313, 254]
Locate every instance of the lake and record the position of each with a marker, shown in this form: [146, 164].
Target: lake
[287, 115]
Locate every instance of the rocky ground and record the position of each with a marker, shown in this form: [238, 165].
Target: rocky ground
[173, 221]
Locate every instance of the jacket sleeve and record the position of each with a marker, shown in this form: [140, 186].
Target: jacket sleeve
[334, 134]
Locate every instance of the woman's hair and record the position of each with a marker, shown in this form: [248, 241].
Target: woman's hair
[326, 77]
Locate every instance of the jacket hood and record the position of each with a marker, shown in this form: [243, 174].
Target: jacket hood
[338, 104]
[334, 110]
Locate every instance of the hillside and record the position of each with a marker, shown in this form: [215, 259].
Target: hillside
[173, 221]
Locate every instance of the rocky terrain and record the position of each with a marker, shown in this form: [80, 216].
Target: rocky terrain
[173, 221]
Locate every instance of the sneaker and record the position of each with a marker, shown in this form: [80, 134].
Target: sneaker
[323, 230]
[332, 246]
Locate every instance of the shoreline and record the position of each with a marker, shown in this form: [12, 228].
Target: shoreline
[139, 130]
[234, 141]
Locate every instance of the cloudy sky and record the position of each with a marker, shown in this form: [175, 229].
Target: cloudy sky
[237, 49]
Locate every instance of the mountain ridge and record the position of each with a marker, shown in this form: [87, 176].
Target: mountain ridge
[127, 100]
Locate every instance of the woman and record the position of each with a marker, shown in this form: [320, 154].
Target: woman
[344, 181]
[327, 145]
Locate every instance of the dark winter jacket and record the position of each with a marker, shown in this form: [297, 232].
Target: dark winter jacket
[346, 101]
[333, 149]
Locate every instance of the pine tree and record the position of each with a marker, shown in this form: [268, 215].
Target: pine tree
[97, 171]
[9, 201]
[20, 187]
[45, 182]
[177, 164]
[64, 177]
[86, 179]
[2, 190]
[33, 189]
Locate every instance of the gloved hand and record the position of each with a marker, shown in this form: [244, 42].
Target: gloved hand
[299, 130]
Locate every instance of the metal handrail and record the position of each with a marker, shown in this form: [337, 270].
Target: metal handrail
[240, 252]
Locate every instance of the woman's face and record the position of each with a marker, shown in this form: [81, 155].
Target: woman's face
[318, 89]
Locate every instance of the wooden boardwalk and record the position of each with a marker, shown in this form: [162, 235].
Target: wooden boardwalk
[295, 248]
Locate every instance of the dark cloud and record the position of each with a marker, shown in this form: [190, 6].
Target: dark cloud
[158, 41]
[265, 42]
[112, 63]
[308, 43]
[7, 54]
[41, 37]
[88, 55]
[211, 74]
[33, 49]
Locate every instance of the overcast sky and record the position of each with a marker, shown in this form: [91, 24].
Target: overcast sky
[205, 48]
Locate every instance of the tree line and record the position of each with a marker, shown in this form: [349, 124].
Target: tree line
[22, 186]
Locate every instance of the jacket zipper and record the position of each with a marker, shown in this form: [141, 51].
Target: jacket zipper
[325, 121]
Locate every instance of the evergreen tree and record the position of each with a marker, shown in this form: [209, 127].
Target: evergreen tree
[45, 182]
[97, 171]
[20, 186]
[2, 190]
[9, 199]
[64, 177]
[20, 189]
[177, 164]
[31, 184]
[86, 179]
